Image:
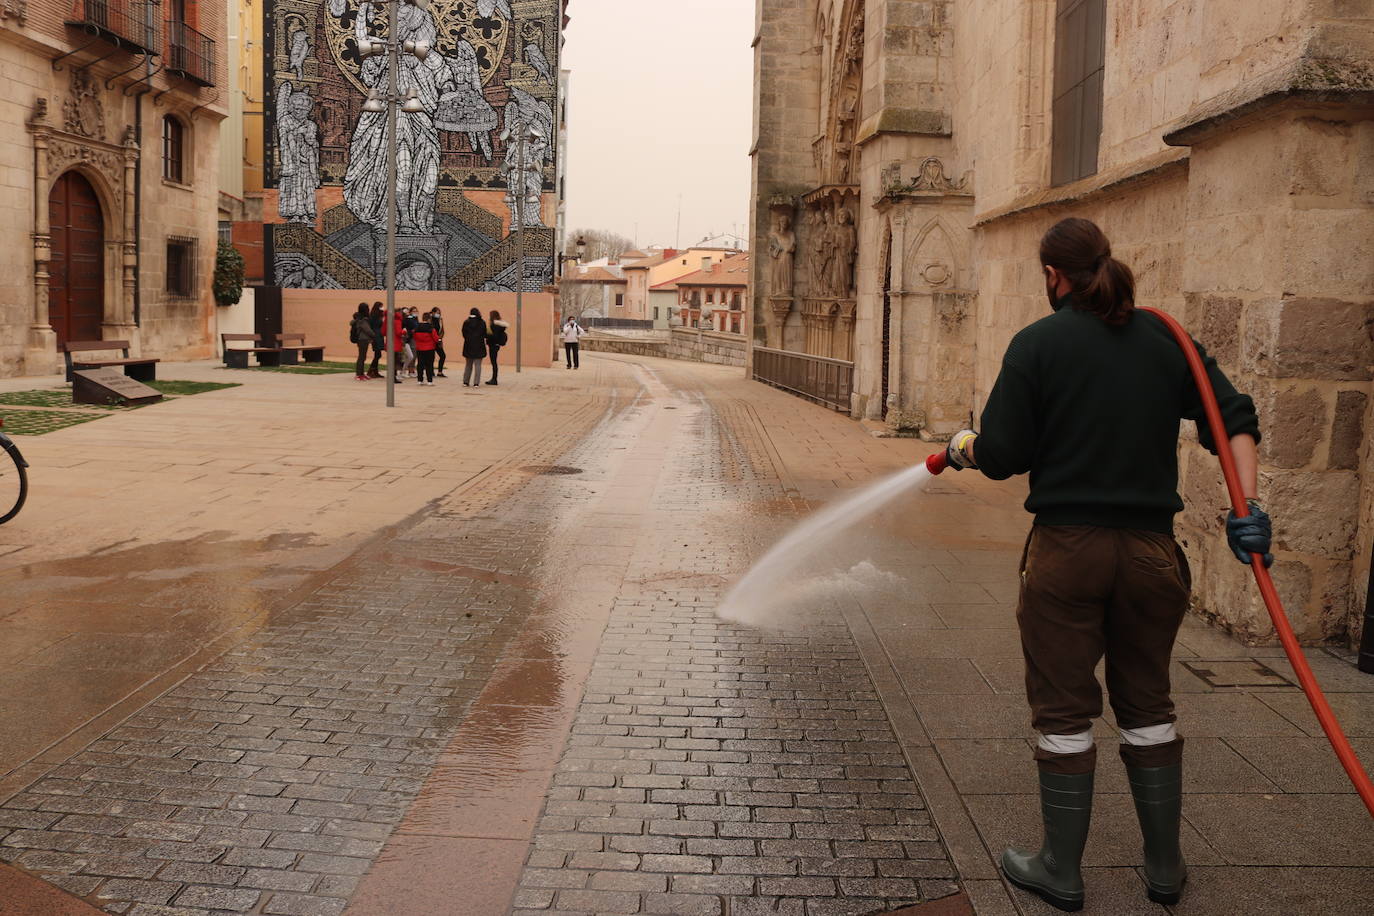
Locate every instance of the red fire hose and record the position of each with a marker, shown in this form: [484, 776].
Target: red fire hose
[1344, 752]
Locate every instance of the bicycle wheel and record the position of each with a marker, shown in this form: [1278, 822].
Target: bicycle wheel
[14, 482]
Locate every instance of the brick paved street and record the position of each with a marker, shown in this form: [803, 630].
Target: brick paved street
[487, 686]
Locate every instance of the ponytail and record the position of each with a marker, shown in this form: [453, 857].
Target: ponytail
[1101, 284]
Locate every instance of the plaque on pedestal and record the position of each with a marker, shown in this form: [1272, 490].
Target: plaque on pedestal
[109, 386]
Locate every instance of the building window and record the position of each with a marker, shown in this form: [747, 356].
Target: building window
[655, 313]
[173, 150]
[226, 231]
[619, 300]
[1080, 32]
[181, 267]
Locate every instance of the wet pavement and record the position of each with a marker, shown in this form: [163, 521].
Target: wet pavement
[472, 665]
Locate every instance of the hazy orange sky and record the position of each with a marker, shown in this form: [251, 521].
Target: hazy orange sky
[660, 105]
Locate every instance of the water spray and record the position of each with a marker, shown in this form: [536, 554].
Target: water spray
[1339, 743]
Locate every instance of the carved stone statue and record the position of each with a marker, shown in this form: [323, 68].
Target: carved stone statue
[827, 246]
[846, 237]
[782, 248]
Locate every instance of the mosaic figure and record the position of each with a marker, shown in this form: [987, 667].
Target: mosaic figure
[300, 52]
[527, 174]
[464, 109]
[534, 52]
[492, 64]
[417, 138]
[415, 275]
[298, 155]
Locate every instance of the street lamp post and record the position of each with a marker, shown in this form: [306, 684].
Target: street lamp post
[379, 102]
[522, 133]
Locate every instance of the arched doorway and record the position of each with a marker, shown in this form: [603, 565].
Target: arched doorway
[76, 285]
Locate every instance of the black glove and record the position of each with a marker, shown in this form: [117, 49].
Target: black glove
[957, 456]
[1252, 534]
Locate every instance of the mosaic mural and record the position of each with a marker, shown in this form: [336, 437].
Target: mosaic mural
[459, 187]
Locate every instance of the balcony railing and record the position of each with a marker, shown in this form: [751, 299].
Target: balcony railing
[816, 378]
[190, 54]
[131, 24]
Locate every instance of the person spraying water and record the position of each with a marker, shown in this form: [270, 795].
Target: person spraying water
[1088, 402]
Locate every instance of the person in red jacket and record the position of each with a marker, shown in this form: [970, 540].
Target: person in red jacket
[426, 341]
[398, 334]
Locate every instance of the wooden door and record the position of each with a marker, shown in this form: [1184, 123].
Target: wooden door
[76, 287]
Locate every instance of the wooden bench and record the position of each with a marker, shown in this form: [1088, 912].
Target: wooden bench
[237, 358]
[297, 352]
[143, 370]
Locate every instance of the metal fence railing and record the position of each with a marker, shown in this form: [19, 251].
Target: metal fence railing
[132, 24]
[190, 54]
[816, 378]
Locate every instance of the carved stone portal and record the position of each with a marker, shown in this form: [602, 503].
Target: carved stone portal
[80, 144]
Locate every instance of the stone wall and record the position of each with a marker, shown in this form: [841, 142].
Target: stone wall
[708, 347]
[631, 346]
[1235, 176]
[679, 343]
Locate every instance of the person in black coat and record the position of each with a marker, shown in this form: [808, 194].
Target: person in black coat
[378, 320]
[497, 338]
[474, 348]
[436, 318]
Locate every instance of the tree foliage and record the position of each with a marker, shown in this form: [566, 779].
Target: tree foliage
[228, 284]
[601, 243]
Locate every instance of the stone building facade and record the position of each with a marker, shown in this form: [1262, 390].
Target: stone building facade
[108, 147]
[1226, 147]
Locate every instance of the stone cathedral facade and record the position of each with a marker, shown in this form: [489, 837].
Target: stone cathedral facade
[460, 188]
[908, 154]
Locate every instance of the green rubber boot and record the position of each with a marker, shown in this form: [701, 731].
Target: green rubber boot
[1158, 794]
[1053, 873]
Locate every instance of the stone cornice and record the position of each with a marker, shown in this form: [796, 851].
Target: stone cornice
[910, 122]
[1141, 171]
[1310, 80]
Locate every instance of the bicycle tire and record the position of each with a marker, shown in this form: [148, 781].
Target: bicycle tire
[13, 455]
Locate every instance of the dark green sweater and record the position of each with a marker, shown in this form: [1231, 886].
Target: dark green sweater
[1092, 412]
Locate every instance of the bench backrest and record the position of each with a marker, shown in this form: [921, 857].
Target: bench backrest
[227, 338]
[283, 338]
[79, 346]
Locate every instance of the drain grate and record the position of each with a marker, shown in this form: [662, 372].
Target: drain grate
[551, 469]
[1250, 672]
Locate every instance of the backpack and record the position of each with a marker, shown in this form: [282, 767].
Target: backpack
[353, 332]
[499, 337]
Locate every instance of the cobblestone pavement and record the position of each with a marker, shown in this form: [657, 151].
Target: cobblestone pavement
[713, 768]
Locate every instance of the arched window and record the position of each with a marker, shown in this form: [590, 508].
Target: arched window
[173, 150]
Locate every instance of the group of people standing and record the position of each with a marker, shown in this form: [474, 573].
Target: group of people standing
[418, 342]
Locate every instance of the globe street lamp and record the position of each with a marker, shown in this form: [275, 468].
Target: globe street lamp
[387, 101]
[523, 134]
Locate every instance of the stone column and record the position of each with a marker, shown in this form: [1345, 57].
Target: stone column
[124, 318]
[41, 357]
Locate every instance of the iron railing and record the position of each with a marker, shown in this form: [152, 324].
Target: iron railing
[816, 378]
[189, 53]
[131, 24]
[626, 324]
